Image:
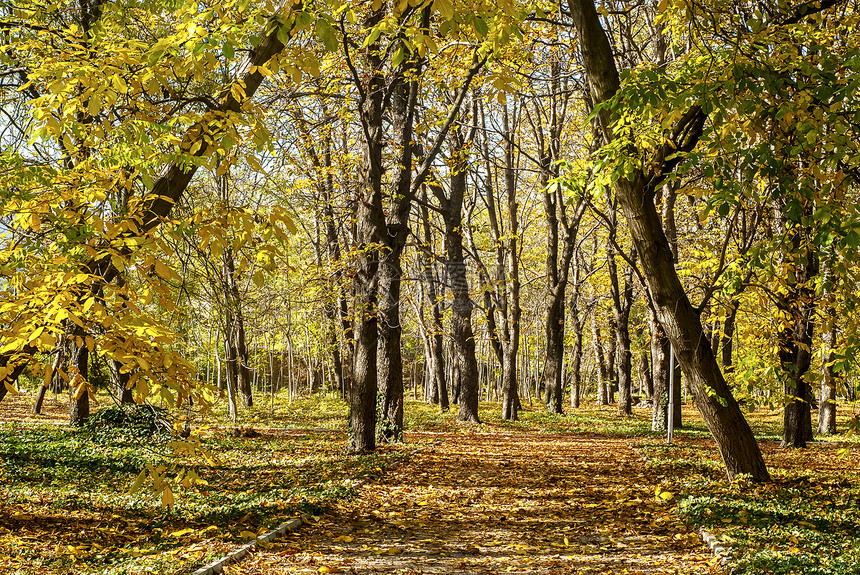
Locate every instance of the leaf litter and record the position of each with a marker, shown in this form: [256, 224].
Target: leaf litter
[500, 503]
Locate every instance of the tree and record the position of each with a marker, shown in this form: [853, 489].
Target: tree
[635, 194]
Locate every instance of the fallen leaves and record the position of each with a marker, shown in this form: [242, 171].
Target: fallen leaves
[524, 503]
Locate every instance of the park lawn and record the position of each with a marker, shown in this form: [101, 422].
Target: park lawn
[66, 504]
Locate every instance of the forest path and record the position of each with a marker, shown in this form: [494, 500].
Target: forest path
[497, 503]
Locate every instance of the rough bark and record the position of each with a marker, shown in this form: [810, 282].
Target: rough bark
[647, 381]
[436, 351]
[600, 359]
[576, 325]
[829, 381]
[79, 406]
[660, 370]
[370, 234]
[795, 350]
[635, 193]
[510, 393]
[462, 336]
[622, 302]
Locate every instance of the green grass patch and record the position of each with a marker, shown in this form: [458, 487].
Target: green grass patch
[806, 521]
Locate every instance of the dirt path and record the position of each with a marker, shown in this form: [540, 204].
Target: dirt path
[485, 503]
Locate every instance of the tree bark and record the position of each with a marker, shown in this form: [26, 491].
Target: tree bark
[720, 410]
[827, 397]
[576, 325]
[462, 335]
[600, 359]
[79, 407]
[660, 368]
[795, 348]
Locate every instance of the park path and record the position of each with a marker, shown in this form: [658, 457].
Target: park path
[498, 503]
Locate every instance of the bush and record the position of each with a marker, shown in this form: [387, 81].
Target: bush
[129, 422]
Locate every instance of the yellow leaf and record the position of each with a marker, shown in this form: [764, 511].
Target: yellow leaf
[80, 389]
[181, 532]
[49, 373]
[167, 497]
[94, 106]
[666, 496]
[162, 270]
[343, 539]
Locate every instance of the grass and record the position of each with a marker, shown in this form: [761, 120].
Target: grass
[66, 503]
[67, 507]
[807, 521]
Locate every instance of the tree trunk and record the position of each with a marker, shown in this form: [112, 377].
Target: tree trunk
[645, 374]
[720, 410]
[827, 398]
[436, 351]
[611, 361]
[79, 407]
[462, 335]
[727, 341]
[576, 325]
[389, 357]
[600, 359]
[554, 348]
[660, 368]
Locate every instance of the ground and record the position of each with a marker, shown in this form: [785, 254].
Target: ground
[589, 491]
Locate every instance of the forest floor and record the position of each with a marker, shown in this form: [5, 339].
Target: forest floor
[500, 503]
[586, 492]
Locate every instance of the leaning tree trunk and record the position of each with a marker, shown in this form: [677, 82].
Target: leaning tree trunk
[719, 409]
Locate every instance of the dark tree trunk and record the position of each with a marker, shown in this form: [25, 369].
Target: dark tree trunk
[235, 330]
[611, 363]
[124, 394]
[795, 356]
[622, 302]
[50, 380]
[370, 234]
[561, 232]
[463, 338]
[511, 344]
[403, 97]
[576, 325]
[720, 410]
[79, 407]
[554, 349]
[389, 357]
[727, 340]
